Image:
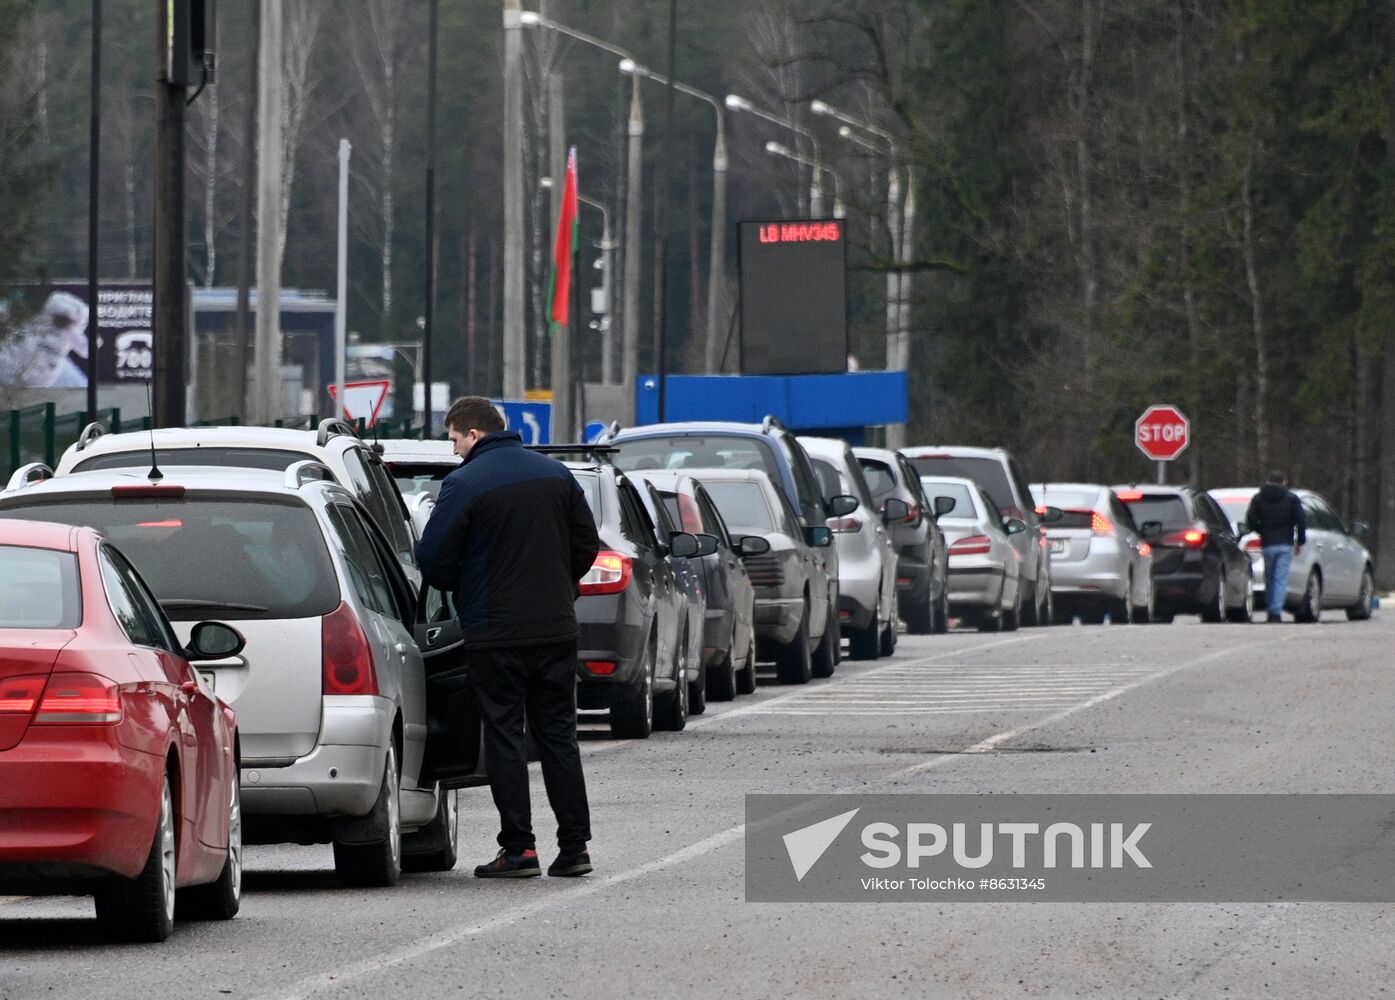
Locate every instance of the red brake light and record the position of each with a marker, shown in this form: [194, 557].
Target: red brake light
[1192, 538]
[1100, 525]
[1144, 549]
[147, 491]
[79, 700]
[844, 525]
[1129, 496]
[609, 574]
[345, 658]
[974, 545]
[601, 668]
[19, 695]
[172, 522]
[1253, 544]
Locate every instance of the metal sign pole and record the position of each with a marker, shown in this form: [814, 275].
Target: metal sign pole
[1162, 472]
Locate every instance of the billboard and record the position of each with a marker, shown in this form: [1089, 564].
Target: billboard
[43, 335]
[793, 297]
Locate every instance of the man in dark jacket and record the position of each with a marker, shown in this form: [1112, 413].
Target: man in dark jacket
[511, 536]
[1276, 515]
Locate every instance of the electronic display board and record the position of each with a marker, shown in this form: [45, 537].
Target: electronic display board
[793, 297]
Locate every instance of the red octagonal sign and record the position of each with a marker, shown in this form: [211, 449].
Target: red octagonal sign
[1162, 433]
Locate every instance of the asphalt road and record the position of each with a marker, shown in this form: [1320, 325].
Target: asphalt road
[1176, 708]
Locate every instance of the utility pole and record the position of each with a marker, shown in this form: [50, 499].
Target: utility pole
[243, 317]
[561, 335]
[429, 308]
[663, 185]
[269, 115]
[94, 173]
[716, 257]
[513, 332]
[341, 286]
[170, 312]
[634, 202]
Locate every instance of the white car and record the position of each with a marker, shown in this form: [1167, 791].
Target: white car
[1334, 570]
[985, 569]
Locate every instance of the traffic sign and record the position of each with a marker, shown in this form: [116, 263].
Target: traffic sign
[1162, 432]
[363, 400]
[533, 421]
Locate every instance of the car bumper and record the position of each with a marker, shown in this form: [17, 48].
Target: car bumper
[859, 587]
[1087, 581]
[912, 576]
[73, 807]
[777, 618]
[716, 636]
[340, 778]
[975, 587]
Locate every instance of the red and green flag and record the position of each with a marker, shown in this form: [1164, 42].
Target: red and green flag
[564, 248]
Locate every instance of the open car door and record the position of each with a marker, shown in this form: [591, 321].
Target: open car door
[454, 739]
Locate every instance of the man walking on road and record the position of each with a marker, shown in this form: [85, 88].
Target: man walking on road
[1276, 515]
[511, 536]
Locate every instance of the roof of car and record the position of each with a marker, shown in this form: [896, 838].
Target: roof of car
[952, 450]
[39, 535]
[822, 446]
[409, 450]
[1078, 487]
[193, 477]
[1179, 490]
[884, 454]
[273, 438]
[691, 427]
[955, 480]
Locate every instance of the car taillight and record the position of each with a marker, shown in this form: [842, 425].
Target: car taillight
[1192, 538]
[1130, 496]
[20, 695]
[609, 574]
[1144, 549]
[601, 668]
[1100, 525]
[1254, 544]
[974, 545]
[345, 657]
[912, 514]
[79, 700]
[844, 525]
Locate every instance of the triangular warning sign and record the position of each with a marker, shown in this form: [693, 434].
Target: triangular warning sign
[363, 400]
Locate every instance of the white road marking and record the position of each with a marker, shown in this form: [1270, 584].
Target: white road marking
[444, 939]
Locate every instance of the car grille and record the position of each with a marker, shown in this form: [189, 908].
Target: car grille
[764, 571]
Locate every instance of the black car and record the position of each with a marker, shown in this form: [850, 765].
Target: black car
[922, 557]
[631, 611]
[1198, 564]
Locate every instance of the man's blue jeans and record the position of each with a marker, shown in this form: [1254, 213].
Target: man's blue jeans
[1277, 560]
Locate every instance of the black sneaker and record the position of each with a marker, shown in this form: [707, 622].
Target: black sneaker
[506, 865]
[570, 865]
[1275, 619]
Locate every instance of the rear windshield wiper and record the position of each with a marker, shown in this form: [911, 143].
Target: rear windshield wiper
[189, 602]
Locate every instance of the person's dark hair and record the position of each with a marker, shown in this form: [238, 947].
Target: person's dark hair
[1277, 478]
[473, 413]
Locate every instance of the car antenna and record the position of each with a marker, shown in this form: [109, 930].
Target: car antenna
[155, 475]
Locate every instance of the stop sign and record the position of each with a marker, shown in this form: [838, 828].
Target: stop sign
[1162, 433]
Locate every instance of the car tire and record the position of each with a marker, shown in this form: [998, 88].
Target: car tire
[697, 692]
[920, 616]
[1361, 610]
[887, 641]
[632, 714]
[1241, 615]
[822, 662]
[377, 863]
[722, 682]
[1011, 618]
[221, 899]
[1310, 610]
[793, 663]
[1143, 614]
[865, 643]
[942, 612]
[1214, 611]
[1027, 610]
[673, 714]
[746, 676]
[433, 847]
[1121, 611]
[141, 909]
[835, 626]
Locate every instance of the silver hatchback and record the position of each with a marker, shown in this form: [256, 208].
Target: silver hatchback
[330, 689]
[986, 571]
[1100, 563]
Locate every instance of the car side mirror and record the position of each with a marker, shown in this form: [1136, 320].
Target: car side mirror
[842, 505]
[1360, 529]
[1014, 526]
[818, 536]
[752, 545]
[1049, 515]
[895, 510]
[213, 641]
[943, 505]
[682, 545]
[1151, 529]
[707, 544]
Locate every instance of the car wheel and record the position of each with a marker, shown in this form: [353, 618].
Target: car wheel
[673, 715]
[697, 692]
[1241, 615]
[746, 678]
[1361, 610]
[221, 899]
[1143, 614]
[920, 616]
[632, 714]
[835, 626]
[887, 643]
[142, 908]
[1214, 610]
[865, 643]
[1121, 611]
[942, 613]
[721, 682]
[793, 664]
[1010, 618]
[1311, 608]
[378, 861]
[824, 661]
[433, 847]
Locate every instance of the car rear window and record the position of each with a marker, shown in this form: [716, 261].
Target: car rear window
[831, 479]
[880, 479]
[228, 558]
[743, 507]
[988, 473]
[963, 502]
[1168, 509]
[684, 452]
[239, 458]
[422, 477]
[1076, 499]
[591, 488]
[38, 588]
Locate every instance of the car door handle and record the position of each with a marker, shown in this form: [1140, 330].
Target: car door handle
[432, 634]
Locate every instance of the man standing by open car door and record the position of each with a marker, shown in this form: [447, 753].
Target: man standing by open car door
[511, 536]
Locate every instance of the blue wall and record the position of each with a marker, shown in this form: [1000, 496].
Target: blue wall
[802, 402]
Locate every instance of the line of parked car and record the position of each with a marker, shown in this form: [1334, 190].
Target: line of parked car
[243, 650]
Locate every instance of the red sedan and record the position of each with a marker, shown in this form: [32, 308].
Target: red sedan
[118, 767]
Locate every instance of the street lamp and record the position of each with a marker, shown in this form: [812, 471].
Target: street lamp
[775, 149]
[716, 273]
[738, 103]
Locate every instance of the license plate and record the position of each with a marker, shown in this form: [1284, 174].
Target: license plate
[208, 677]
[1058, 545]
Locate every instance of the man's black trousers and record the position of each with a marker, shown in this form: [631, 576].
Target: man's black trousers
[539, 683]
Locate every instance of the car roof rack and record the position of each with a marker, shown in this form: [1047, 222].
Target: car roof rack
[90, 433]
[330, 426]
[28, 475]
[770, 422]
[307, 471]
[600, 452]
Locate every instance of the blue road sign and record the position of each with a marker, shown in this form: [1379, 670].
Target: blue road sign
[533, 421]
[594, 429]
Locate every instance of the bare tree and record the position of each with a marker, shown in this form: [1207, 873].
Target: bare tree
[302, 28]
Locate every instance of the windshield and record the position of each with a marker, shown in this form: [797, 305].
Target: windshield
[879, 478]
[38, 588]
[214, 557]
[963, 503]
[743, 507]
[989, 473]
[277, 460]
[1168, 509]
[684, 452]
[1235, 509]
[419, 478]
